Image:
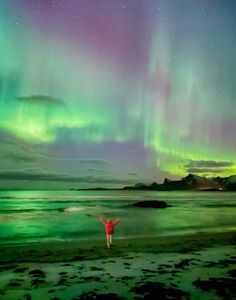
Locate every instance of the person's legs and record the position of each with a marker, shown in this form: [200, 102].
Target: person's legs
[108, 241]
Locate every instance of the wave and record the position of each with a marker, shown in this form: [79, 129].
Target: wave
[25, 210]
[72, 209]
[94, 197]
[29, 210]
[217, 205]
[49, 210]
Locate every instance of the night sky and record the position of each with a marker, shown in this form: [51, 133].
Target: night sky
[111, 93]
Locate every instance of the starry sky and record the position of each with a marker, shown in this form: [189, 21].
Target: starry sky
[110, 93]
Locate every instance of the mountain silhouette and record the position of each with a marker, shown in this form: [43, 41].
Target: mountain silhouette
[190, 182]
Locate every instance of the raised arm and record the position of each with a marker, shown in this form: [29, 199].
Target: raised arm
[103, 221]
[116, 221]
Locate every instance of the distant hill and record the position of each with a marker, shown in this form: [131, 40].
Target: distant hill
[190, 182]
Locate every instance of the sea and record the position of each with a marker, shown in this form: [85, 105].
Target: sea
[45, 216]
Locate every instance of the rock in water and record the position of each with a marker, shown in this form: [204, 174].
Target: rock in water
[151, 204]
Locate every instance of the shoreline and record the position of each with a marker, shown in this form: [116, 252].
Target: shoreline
[94, 249]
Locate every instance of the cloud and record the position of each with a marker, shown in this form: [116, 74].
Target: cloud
[20, 156]
[41, 99]
[28, 174]
[97, 162]
[42, 175]
[204, 170]
[132, 174]
[7, 138]
[96, 170]
[208, 164]
[15, 150]
[12, 153]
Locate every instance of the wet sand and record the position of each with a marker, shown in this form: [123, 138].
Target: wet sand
[199, 266]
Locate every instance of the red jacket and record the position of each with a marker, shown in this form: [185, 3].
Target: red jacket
[109, 225]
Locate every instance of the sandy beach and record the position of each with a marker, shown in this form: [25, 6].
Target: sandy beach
[199, 266]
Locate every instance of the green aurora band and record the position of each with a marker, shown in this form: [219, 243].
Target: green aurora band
[179, 103]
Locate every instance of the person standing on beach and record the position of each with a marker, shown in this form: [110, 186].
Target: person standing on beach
[109, 228]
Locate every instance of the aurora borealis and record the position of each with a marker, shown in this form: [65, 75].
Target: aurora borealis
[110, 92]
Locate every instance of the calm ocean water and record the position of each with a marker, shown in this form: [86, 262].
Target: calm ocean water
[31, 216]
